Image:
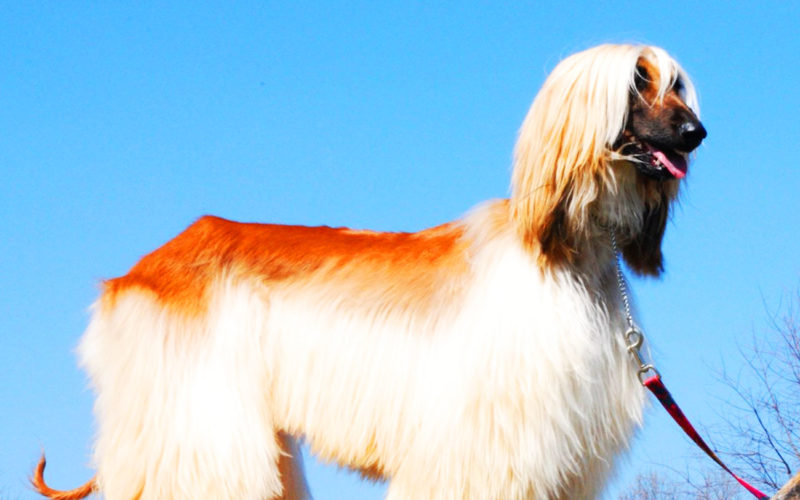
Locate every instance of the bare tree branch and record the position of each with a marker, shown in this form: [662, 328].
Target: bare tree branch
[761, 431]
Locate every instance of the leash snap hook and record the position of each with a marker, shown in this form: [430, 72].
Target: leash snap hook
[635, 339]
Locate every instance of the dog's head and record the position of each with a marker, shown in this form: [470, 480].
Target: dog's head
[604, 147]
[661, 128]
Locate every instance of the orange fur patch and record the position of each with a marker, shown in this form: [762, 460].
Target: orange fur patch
[385, 267]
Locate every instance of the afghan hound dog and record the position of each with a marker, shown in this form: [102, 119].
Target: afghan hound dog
[480, 359]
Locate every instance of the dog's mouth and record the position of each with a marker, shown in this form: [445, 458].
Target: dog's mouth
[657, 162]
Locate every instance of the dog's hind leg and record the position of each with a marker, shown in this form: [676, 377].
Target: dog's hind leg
[290, 467]
[182, 404]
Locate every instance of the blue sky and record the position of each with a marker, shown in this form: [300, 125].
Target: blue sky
[122, 123]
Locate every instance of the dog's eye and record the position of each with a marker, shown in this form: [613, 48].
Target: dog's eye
[678, 85]
[641, 78]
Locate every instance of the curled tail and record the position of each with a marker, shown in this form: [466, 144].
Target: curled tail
[37, 480]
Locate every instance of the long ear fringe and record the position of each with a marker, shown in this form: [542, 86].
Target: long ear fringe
[561, 160]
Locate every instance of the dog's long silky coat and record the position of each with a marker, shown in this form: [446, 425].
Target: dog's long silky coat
[480, 359]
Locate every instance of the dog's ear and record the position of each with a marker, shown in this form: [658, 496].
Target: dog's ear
[643, 252]
[554, 220]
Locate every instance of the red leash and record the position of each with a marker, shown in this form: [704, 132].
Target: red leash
[661, 393]
[634, 340]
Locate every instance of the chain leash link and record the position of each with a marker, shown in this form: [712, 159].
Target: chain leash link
[634, 338]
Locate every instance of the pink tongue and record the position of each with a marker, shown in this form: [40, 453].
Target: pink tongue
[677, 166]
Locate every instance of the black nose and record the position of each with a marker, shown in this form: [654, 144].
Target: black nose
[692, 134]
